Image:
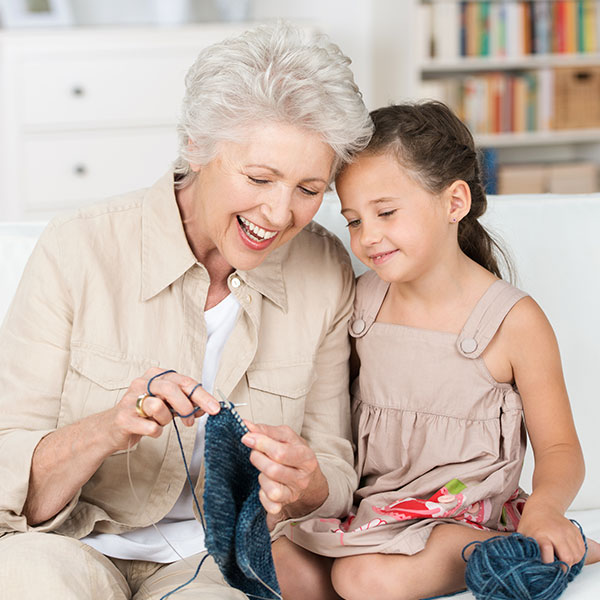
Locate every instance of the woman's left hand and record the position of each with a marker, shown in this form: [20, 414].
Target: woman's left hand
[555, 534]
[291, 481]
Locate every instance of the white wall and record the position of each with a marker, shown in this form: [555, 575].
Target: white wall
[368, 31]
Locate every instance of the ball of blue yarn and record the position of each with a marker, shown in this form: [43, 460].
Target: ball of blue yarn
[511, 568]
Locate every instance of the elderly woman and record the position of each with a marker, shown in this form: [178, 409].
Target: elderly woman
[217, 273]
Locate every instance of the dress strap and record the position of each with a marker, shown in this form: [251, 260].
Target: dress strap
[370, 292]
[486, 318]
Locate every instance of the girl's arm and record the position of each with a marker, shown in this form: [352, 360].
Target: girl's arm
[559, 467]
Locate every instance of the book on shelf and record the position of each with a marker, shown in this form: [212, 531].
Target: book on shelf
[542, 26]
[512, 28]
[537, 100]
[498, 102]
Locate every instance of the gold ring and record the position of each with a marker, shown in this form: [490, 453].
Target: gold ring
[139, 406]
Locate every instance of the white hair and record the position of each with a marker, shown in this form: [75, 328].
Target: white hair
[270, 73]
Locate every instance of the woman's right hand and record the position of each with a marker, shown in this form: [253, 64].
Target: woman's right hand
[66, 458]
[170, 392]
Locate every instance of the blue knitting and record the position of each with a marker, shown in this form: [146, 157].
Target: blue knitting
[236, 531]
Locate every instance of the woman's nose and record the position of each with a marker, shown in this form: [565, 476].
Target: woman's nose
[278, 208]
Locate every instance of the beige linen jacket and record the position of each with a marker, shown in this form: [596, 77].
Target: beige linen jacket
[114, 289]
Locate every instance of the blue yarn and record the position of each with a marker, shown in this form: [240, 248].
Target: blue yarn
[188, 581]
[154, 377]
[511, 568]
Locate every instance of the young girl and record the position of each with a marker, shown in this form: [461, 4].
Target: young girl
[452, 358]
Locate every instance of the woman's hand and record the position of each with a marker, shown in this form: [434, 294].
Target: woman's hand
[170, 392]
[291, 481]
[554, 533]
[65, 459]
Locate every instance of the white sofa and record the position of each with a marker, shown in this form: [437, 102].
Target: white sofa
[555, 246]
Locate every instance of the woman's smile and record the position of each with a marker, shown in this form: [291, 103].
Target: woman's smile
[254, 236]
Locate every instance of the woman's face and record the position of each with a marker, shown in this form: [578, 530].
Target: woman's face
[256, 195]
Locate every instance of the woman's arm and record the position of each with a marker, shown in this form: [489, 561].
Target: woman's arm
[316, 470]
[559, 467]
[42, 465]
[65, 459]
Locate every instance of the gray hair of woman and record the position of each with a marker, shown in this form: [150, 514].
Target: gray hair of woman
[275, 73]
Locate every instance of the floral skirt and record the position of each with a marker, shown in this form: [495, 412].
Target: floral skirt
[403, 526]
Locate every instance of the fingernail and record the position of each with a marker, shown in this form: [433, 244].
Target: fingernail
[248, 440]
[214, 406]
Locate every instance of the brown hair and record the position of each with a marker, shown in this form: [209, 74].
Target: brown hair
[437, 149]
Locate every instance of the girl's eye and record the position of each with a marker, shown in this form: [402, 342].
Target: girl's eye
[353, 224]
[307, 191]
[387, 213]
[257, 180]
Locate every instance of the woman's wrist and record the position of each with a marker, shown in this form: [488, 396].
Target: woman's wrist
[313, 497]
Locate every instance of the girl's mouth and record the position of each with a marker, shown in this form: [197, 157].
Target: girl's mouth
[382, 257]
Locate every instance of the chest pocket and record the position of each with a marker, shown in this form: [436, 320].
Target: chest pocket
[278, 394]
[96, 381]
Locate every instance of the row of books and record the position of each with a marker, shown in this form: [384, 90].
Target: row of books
[509, 28]
[498, 102]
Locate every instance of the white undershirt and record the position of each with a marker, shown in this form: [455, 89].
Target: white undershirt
[179, 526]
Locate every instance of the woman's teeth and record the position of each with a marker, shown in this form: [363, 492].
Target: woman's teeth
[254, 232]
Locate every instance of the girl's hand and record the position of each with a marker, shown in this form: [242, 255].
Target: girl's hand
[291, 481]
[169, 391]
[555, 534]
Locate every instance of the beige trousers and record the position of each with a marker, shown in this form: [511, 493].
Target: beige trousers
[53, 567]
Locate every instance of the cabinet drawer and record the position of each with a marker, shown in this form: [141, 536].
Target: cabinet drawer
[97, 90]
[65, 171]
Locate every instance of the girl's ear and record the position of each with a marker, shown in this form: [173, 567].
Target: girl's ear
[459, 200]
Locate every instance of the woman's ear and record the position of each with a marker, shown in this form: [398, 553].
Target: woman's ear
[459, 200]
[193, 166]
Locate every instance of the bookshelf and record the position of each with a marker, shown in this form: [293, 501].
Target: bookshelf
[524, 75]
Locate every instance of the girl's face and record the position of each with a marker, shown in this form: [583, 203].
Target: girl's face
[397, 228]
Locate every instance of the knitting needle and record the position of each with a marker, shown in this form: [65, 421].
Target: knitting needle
[225, 400]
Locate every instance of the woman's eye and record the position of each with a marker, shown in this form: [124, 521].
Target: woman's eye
[353, 224]
[307, 191]
[387, 213]
[257, 180]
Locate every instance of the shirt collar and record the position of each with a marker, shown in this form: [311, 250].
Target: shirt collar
[166, 254]
[267, 278]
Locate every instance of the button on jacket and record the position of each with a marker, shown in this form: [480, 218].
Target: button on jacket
[115, 289]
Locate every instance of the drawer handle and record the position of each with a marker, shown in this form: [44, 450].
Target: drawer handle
[80, 170]
[78, 91]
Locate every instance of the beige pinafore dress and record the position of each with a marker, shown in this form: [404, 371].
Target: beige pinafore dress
[438, 440]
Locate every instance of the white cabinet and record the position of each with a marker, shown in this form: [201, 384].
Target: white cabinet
[90, 112]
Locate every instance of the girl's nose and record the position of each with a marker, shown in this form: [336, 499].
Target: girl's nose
[369, 234]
